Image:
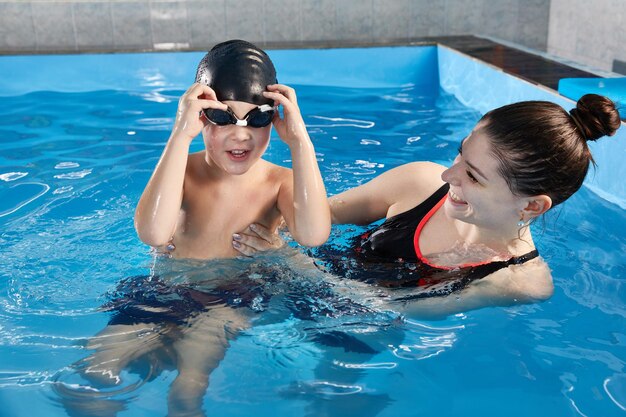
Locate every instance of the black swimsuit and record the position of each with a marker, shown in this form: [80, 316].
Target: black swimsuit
[394, 238]
[389, 255]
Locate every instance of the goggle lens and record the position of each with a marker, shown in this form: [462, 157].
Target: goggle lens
[257, 117]
[260, 118]
[219, 117]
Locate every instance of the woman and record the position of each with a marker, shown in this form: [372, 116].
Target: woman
[464, 230]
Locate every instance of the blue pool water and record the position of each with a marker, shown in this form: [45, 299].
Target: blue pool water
[73, 163]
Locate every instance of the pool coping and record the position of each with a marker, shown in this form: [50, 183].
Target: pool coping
[529, 66]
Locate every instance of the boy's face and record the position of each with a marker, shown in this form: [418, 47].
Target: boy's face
[233, 148]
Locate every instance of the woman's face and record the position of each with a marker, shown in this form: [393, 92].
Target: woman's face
[478, 193]
[234, 149]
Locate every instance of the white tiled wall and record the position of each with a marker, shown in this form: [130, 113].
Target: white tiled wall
[110, 25]
[588, 32]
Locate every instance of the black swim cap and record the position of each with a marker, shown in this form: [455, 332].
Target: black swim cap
[237, 70]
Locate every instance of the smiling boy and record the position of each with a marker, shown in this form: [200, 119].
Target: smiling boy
[194, 204]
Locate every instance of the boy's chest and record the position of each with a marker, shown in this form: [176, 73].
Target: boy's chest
[208, 221]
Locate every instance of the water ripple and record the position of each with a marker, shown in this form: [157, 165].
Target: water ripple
[423, 341]
[74, 175]
[285, 343]
[340, 121]
[590, 355]
[24, 193]
[24, 378]
[615, 388]
[12, 176]
[66, 165]
[381, 365]
[326, 388]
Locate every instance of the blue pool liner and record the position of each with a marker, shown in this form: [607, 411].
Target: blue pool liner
[613, 88]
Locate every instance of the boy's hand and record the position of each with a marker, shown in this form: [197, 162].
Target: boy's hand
[256, 238]
[291, 127]
[189, 116]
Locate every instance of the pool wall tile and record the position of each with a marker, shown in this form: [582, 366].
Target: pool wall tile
[318, 20]
[283, 21]
[562, 20]
[500, 18]
[55, 26]
[596, 40]
[588, 33]
[131, 25]
[17, 32]
[394, 66]
[207, 23]
[170, 28]
[463, 16]
[94, 24]
[428, 18]
[353, 23]
[245, 20]
[534, 17]
[591, 33]
[391, 20]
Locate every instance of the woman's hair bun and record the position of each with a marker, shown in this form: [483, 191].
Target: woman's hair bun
[596, 116]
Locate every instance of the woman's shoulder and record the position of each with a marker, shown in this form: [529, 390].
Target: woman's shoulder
[527, 282]
[424, 176]
[419, 169]
[411, 184]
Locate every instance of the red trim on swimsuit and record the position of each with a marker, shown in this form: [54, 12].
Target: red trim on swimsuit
[418, 232]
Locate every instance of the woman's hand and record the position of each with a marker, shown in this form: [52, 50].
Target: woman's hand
[189, 115]
[290, 127]
[256, 238]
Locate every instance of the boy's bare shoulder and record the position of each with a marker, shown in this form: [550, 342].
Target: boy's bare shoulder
[195, 162]
[277, 172]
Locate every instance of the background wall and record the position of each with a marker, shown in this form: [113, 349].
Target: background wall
[590, 32]
[51, 26]
[78, 25]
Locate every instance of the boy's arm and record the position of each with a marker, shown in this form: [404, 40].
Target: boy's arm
[159, 206]
[302, 202]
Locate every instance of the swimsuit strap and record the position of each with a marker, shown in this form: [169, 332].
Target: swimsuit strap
[482, 270]
[474, 273]
[516, 260]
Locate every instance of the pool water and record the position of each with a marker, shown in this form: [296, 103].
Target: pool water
[72, 167]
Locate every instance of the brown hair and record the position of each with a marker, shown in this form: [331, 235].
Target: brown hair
[542, 149]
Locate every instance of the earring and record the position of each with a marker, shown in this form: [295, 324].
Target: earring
[521, 223]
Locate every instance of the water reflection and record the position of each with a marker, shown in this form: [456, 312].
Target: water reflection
[175, 325]
[179, 320]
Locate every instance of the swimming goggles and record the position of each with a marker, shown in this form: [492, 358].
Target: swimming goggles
[260, 116]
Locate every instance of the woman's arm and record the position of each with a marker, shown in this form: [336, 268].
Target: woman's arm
[390, 193]
[438, 308]
[302, 201]
[517, 284]
[159, 206]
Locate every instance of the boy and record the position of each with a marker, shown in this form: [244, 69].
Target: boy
[194, 204]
